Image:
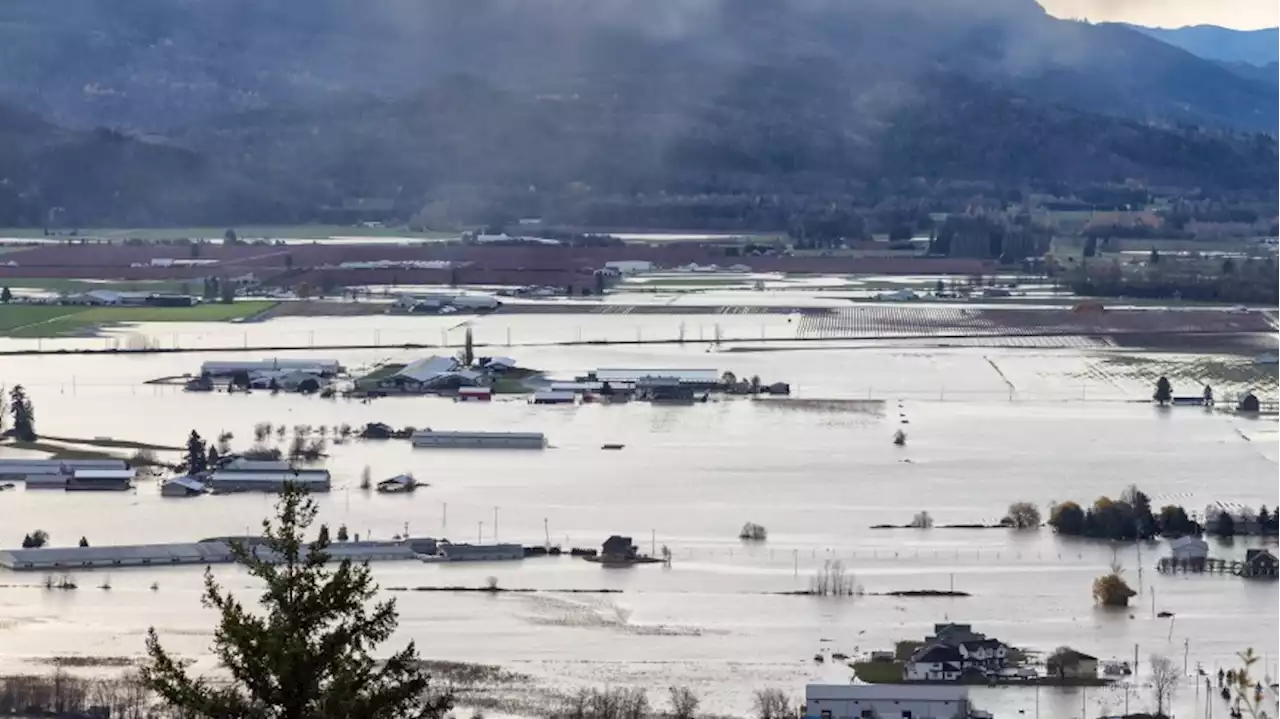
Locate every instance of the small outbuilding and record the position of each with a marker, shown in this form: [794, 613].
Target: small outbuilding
[182, 487]
[1067, 663]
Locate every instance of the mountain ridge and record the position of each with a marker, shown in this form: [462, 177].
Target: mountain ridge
[1259, 47]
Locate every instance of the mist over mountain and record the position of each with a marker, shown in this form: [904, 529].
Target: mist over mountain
[1253, 47]
[564, 105]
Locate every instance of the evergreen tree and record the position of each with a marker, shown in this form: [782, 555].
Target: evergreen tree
[1164, 391]
[1264, 519]
[84, 542]
[6, 295]
[197, 455]
[1224, 525]
[24, 414]
[211, 461]
[308, 652]
[468, 349]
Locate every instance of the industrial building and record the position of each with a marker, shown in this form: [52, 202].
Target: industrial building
[481, 552]
[854, 701]
[22, 468]
[101, 480]
[69, 475]
[218, 551]
[478, 440]
[226, 368]
[227, 481]
[691, 378]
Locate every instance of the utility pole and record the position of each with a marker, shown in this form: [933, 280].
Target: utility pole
[653, 542]
[480, 533]
[546, 532]
[1186, 650]
[444, 516]
[495, 525]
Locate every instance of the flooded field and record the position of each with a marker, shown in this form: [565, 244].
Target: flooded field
[986, 426]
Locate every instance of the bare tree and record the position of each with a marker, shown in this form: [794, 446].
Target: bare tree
[1164, 682]
[773, 704]
[833, 581]
[684, 703]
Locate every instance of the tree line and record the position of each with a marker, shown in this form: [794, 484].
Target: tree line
[1130, 519]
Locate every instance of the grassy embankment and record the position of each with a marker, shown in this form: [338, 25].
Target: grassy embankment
[84, 448]
[33, 321]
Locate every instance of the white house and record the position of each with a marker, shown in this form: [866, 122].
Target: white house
[1188, 550]
[882, 701]
[934, 663]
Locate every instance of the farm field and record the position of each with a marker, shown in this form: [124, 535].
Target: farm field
[58, 320]
[66, 284]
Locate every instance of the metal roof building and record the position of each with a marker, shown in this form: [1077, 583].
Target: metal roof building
[214, 551]
[182, 487]
[323, 367]
[23, 467]
[479, 440]
[428, 368]
[312, 480]
[696, 377]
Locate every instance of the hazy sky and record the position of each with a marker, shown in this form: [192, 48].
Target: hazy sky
[1243, 14]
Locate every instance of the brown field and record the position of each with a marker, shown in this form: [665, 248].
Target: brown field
[481, 264]
[888, 321]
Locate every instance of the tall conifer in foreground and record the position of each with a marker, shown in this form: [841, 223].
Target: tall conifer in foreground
[307, 653]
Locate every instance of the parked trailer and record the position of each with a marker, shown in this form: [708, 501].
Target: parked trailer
[478, 440]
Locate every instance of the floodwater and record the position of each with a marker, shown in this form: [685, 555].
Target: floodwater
[816, 475]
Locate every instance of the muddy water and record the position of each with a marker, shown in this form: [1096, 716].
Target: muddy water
[689, 477]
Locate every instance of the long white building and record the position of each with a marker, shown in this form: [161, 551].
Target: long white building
[887, 701]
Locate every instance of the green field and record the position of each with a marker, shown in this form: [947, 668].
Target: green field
[58, 320]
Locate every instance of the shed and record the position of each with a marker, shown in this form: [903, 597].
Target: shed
[1069, 663]
[1260, 564]
[182, 487]
[1189, 550]
[550, 396]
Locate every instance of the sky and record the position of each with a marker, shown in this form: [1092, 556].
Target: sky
[1240, 14]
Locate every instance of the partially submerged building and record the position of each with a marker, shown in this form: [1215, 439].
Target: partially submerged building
[696, 379]
[22, 468]
[849, 701]
[228, 368]
[481, 552]
[185, 486]
[431, 439]
[273, 481]
[69, 474]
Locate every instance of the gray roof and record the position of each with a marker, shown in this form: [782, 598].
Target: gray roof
[186, 481]
[104, 474]
[427, 368]
[631, 375]
[301, 475]
[11, 466]
[240, 464]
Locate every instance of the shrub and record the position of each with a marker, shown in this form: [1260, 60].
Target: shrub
[1023, 515]
[753, 532]
[922, 520]
[833, 581]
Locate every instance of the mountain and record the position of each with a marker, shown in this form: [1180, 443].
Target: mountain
[102, 177]
[152, 64]
[1251, 47]
[724, 113]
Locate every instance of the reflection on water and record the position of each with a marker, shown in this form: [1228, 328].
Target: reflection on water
[816, 475]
